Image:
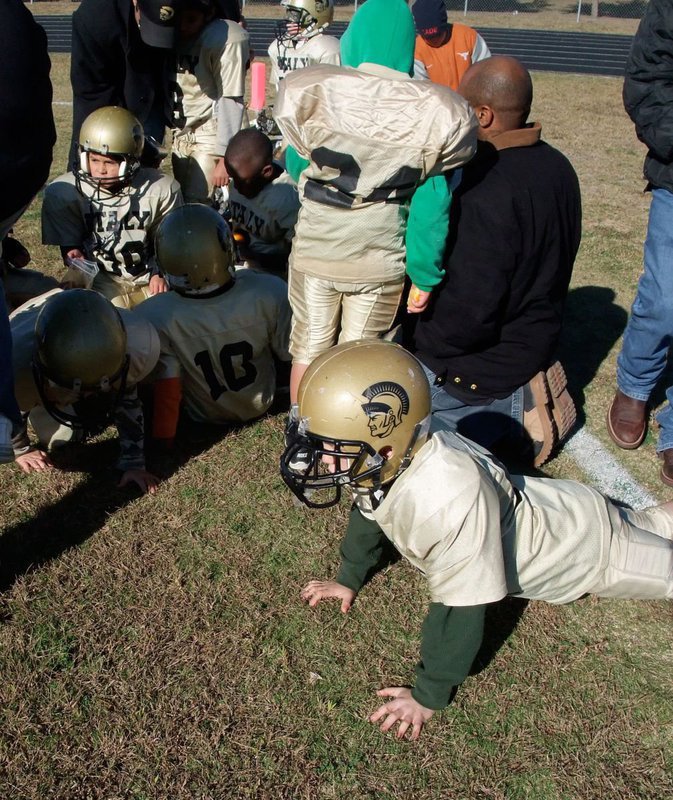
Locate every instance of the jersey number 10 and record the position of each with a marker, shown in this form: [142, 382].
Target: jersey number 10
[232, 381]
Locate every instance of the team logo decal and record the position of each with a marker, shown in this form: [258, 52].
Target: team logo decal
[388, 403]
[166, 13]
[321, 5]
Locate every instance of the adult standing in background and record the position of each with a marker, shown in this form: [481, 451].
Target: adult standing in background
[119, 58]
[25, 94]
[444, 50]
[648, 99]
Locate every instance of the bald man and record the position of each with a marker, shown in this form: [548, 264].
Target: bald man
[489, 337]
[263, 201]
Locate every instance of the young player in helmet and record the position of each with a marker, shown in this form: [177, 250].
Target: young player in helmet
[108, 208]
[475, 531]
[221, 332]
[263, 201]
[300, 39]
[369, 148]
[211, 58]
[77, 361]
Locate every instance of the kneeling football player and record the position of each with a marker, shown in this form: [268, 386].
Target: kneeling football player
[224, 333]
[77, 361]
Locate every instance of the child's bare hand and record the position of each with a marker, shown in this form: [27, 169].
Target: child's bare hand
[418, 300]
[403, 709]
[34, 461]
[142, 478]
[220, 174]
[315, 591]
[74, 253]
[157, 285]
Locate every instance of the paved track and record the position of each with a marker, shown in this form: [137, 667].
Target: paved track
[551, 51]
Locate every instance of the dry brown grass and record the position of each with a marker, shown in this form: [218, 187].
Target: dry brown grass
[156, 647]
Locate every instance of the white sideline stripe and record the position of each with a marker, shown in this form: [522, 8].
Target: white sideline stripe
[605, 472]
[61, 102]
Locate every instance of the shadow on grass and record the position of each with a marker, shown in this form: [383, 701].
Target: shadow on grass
[75, 517]
[500, 622]
[592, 324]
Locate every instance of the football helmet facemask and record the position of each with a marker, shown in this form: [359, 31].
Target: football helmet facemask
[304, 19]
[195, 250]
[363, 412]
[113, 132]
[80, 359]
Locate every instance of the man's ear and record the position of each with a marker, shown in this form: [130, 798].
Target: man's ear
[267, 171]
[484, 116]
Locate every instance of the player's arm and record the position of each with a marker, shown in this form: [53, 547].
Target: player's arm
[62, 221]
[167, 399]
[480, 51]
[294, 163]
[28, 458]
[229, 67]
[427, 229]
[131, 429]
[451, 638]
[362, 551]
[361, 554]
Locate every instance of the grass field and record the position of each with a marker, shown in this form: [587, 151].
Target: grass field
[155, 647]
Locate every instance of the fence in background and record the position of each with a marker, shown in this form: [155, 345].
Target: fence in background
[617, 9]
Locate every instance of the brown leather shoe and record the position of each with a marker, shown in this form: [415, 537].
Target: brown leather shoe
[666, 473]
[549, 412]
[627, 421]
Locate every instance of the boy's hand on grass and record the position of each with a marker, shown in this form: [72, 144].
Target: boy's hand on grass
[34, 461]
[403, 709]
[141, 477]
[315, 591]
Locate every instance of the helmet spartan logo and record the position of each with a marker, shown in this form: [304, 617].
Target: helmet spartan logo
[388, 403]
[166, 13]
[321, 5]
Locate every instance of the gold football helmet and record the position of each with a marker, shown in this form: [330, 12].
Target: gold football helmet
[80, 354]
[309, 16]
[111, 131]
[363, 412]
[195, 250]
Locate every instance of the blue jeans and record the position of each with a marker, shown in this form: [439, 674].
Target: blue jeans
[648, 333]
[486, 424]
